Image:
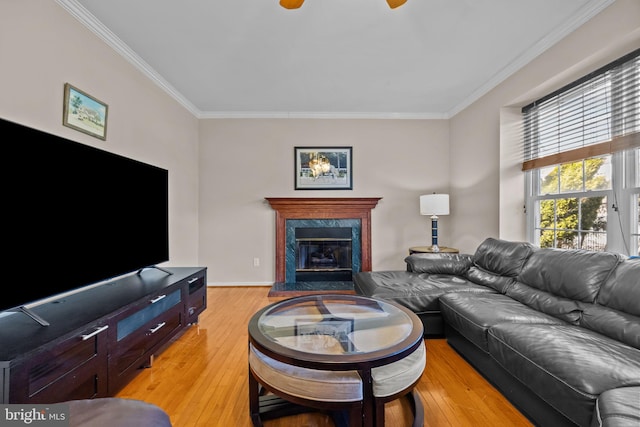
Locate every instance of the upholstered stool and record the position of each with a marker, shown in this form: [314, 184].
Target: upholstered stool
[396, 380]
[332, 391]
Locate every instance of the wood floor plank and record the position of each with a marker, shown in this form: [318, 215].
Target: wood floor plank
[201, 378]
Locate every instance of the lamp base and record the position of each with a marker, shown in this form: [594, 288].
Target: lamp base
[434, 234]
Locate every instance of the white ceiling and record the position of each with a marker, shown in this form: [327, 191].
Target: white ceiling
[330, 58]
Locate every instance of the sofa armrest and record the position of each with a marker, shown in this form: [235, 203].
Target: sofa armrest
[116, 412]
[439, 263]
[617, 408]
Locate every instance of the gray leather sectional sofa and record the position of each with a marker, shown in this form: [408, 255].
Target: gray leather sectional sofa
[556, 331]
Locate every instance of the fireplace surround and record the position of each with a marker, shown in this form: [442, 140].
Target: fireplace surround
[299, 213]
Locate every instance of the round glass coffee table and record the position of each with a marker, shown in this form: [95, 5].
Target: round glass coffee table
[337, 333]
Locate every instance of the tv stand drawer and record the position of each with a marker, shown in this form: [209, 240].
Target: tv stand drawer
[156, 306]
[140, 332]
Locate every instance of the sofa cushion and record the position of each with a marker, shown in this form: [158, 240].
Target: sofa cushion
[612, 323]
[439, 263]
[616, 312]
[575, 274]
[545, 302]
[567, 366]
[622, 289]
[619, 407]
[403, 287]
[473, 315]
[367, 282]
[492, 280]
[417, 292]
[502, 257]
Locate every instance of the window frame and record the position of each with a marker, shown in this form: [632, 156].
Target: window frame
[622, 199]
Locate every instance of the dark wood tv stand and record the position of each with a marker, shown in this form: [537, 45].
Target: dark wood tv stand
[98, 339]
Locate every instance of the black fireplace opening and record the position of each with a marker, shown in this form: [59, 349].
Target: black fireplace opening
[323, 254]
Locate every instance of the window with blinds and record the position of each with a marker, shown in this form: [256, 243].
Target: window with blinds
[598, 114]
[582, 161]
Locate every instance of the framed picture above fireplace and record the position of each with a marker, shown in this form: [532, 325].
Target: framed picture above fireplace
[323, 168]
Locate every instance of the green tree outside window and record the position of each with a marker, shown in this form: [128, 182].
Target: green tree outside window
[567, 222]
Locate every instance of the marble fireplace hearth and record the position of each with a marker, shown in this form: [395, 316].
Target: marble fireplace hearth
[296, 289]
[293, 214]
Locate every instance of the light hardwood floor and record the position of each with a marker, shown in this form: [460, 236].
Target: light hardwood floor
[201, 379]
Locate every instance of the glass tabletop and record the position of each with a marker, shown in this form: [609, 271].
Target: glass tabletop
[336, 324]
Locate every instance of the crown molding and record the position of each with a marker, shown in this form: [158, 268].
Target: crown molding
[79, 12]
[590, 10]
[319, 115]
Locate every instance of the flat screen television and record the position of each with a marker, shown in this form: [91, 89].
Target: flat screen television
[75, 215]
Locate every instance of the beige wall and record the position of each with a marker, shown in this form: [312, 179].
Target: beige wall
[486, 185]
[42, 47]
[222, 169]
[242, 161]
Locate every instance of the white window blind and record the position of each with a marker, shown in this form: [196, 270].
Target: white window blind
[598, 114]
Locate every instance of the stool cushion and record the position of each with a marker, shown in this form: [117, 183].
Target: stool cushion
[373, 339]
[397, 376]
[310, 384]
[337, 386]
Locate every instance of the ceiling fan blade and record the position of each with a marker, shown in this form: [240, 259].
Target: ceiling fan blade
[292, 4]
[394, 3]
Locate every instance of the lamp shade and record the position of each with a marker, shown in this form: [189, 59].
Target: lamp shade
[434, 204]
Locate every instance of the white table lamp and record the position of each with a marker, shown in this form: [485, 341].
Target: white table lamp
[434, 205]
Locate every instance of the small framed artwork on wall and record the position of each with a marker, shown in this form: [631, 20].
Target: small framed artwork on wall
[84, 113]
[323, 168]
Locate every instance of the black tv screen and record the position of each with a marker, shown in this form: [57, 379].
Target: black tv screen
[75, 215]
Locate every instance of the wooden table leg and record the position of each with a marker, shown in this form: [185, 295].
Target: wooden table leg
[254, 400]
[368, 401]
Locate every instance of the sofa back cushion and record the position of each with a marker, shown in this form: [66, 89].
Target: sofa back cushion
[616, 312]
[615, 324]
[571, 273]
[553, 305]
[492, 280]
[502, 257]
[622, 289]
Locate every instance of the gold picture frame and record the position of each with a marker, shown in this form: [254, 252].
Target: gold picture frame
[84, 113]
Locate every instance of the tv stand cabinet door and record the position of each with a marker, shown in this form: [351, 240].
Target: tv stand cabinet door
[66, 369]
[196, 300]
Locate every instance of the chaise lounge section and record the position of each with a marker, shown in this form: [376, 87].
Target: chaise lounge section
[556, 331]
